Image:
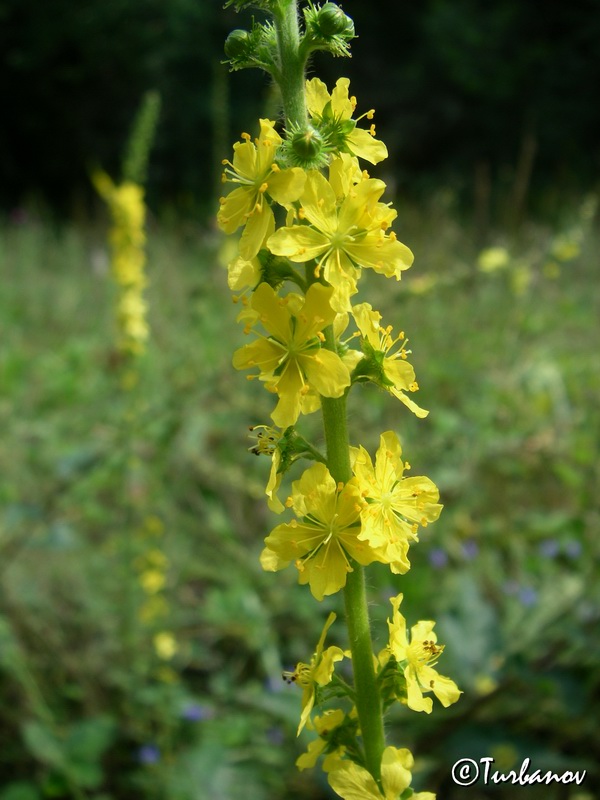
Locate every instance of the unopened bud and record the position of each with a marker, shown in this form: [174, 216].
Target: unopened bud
[307, 144]
[237, 43]
[331, 21]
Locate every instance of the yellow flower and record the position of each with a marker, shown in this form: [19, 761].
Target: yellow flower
[267, 441]
[323, 537]
[254, 168]
[333, 111]
[396, 374]
[153, 581]
[165, 645]
[353, 782]
[418, 658]
[291, 360]
[395, 505]
[324, 725]
[316, 674]
[343, 237]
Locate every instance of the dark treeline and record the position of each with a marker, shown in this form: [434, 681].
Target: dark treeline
[488, 97]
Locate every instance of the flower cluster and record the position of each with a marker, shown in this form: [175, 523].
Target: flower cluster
[311, 221]
[151, 566]
[127, 240]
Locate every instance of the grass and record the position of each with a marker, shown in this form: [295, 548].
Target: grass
[93, 481]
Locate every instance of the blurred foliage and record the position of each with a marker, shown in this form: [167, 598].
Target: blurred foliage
[94, 481]
[493, 97]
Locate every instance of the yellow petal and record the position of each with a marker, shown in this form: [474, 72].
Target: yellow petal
[362, 144]
[316, 312]
[326, 571]
[260, 225]
[233, 212]
[326, 372]
[290, 540]
[261, 353]
[271, 562]
[395, 771]
[287, 185]
[319, 203]
[340, 102]
[315, 493]
[299, 243]
[419, 412]
[317, 96]
[323, 672]
[242, 274]
[414, 695]
[352, 782]
[244, 160]
[274, 315]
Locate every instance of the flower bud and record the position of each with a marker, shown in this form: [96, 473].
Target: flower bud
[332, 21]
[307, 144]
[237, 43]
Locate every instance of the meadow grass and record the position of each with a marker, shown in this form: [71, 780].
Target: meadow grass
[93, 479]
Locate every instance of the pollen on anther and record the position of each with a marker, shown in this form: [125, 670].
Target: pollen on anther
[246, 136]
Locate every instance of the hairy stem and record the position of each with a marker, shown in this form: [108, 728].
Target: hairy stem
[368, 700]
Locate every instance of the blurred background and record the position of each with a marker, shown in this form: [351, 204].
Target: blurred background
[141, 645]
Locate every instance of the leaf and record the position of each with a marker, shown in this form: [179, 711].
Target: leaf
[43, 744]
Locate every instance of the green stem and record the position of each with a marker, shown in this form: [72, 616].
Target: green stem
[368, 699]
[291, 77]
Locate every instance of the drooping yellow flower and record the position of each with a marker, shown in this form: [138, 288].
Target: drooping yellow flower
[323, 537]
[324, 725]
[257, 174]
[343, 237]
[353, 782]
[290, 359]
[394, 505]
[418, 657]
[267, 440]
[318, 673]
[397, 375]
[333, 114]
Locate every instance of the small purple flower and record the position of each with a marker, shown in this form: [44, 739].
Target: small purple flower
[194, 712]
[549, 548]
[528, 596]
[438, 558]
[148, 754]
[470, 549]
[573, 548]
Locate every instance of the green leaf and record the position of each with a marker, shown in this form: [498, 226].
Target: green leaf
[43, 744]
